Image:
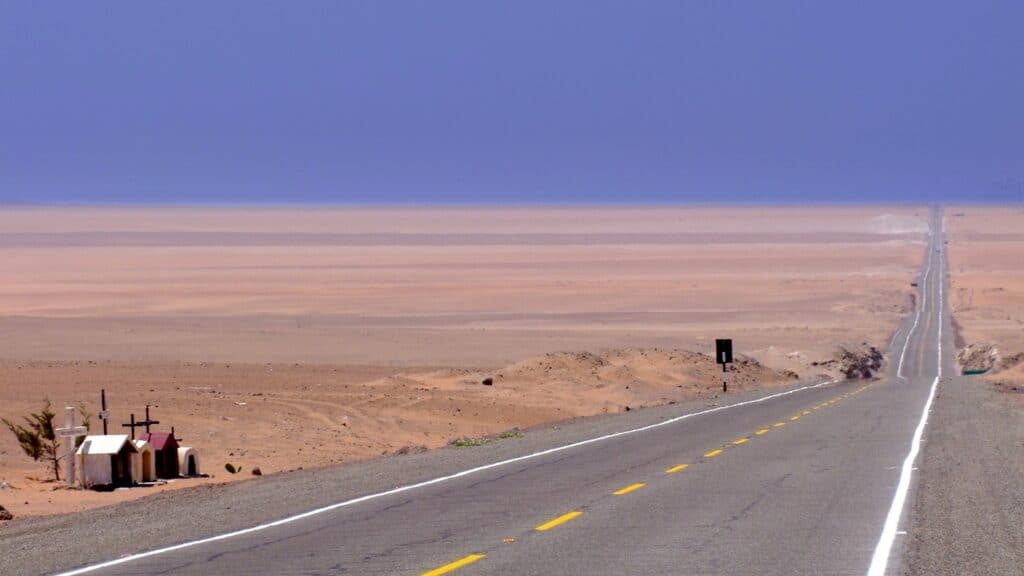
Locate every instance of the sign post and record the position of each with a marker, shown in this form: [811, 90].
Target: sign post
[723, 356]
[70, 433]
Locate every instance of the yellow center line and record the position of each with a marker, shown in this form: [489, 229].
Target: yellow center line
[806, 412]
[779, 424]
[455, 565]
[740, 441]
[761, 431]
[794, 417]
[713, 453]
[628, 489]
[558, 521]
[678, 468]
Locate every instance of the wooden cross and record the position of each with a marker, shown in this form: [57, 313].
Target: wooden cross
[70, 433]
[104, 413]
[147, 422]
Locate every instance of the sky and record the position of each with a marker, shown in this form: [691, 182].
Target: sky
[511, 102]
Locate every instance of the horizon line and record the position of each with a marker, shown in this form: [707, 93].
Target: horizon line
[499, 204]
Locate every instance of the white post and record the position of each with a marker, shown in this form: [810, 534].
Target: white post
[69, 446]
[69, 433]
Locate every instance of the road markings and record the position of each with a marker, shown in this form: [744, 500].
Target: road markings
[713, 453]
[678, 468]
[739, 441]
[455, 565]
[424, 483]
[880, 559]
[761, 431]
[628, 489]
[794, 417]
[806, 412]
[917, 315]
[894, 337]
[779, 424]
[558, 521]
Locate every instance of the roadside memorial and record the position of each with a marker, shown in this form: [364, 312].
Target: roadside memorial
[106, 461]
[144, 463]
[70, 434]
[165, 446]
[188, 461]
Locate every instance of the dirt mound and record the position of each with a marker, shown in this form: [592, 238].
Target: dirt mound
[656, 368]
[980, 357]
[556, 362]
[860, 361]
[1011, 362]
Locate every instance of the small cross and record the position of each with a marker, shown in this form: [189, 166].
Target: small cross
[71, 433]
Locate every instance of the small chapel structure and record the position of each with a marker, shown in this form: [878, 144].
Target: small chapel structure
[105, 461]
[144, 463]
[165, 446]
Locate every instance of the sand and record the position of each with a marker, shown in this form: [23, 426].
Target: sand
[986, 250]
[286, 337]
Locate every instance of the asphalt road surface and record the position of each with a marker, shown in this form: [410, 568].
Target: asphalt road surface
[814, 481]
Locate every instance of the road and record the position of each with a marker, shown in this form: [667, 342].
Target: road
[807, 482]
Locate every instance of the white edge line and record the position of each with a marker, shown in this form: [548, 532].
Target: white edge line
[406, 488]
[895, 337]
[917, 315]
[880, 559]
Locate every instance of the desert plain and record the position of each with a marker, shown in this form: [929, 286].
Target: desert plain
[287, 337]
[986, 263]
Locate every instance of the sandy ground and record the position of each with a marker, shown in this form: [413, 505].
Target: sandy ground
[295, 337]
[986, 252]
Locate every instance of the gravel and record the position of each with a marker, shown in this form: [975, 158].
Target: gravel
[968, 515]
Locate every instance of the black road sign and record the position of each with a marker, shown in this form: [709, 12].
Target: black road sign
[723, 351]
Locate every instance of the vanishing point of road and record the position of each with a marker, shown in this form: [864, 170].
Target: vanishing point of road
[818, 479]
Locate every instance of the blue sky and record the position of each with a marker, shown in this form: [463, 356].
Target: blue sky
[490, 102]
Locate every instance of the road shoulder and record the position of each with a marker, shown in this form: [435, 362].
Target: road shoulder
[969, 503]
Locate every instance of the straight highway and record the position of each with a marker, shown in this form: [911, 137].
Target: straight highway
[811, 481]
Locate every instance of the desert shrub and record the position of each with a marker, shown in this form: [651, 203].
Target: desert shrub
[37, 438]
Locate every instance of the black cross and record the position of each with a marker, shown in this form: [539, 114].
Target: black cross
[147, 422]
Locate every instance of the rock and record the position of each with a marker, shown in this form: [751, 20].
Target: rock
[487, 381]
[256, 471]
[5, 515]
[862, 363]
[979, 357]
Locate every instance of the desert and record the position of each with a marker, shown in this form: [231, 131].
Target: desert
[986, 249]
[296, 337]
